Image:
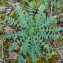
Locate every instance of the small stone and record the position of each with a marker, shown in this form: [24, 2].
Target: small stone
[1, 62]
[0, 59]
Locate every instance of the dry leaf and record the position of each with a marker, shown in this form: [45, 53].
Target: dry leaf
[13, 55]
[8, 29]
[2, 8]
[17, 47]
[52, 42]
[55, 16]
[24, 60]
[15, 38]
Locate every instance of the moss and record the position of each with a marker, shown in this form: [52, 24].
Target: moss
[59, 41]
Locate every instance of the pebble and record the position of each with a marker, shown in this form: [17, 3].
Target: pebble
[1, 62]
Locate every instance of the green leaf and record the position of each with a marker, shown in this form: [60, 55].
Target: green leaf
[26, 0]
[59, 29]
[25, 46]
[13, 45]
[58, 4]
[21, 33]
[20, 59]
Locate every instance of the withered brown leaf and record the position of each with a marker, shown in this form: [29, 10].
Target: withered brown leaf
[13, 55]
[17, 47]
[8, 29]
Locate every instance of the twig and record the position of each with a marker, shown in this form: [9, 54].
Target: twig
[59, 54]
[2, 52]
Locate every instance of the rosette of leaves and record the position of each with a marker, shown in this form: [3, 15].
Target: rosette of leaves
[31, 33]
